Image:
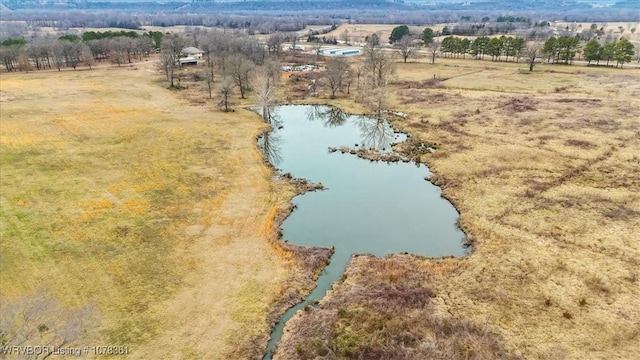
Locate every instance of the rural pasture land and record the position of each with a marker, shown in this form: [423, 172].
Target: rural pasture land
[153, 212]
[119, 195]
[543, 168]
[357, 32]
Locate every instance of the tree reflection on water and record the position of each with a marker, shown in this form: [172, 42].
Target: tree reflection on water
[271, 142]
[375, 132]
[270, 117]
[331, 116]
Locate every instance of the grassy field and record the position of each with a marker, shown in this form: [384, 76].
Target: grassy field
[543, 169]
[358, 32]
[117, 193]
[158, 210]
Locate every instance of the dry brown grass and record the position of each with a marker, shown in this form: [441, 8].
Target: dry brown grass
[119, 193]
[383, 310]
[543, 169]
[156, 208]
[358, 32]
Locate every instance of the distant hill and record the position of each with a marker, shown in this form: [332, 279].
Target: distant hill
[301, 5]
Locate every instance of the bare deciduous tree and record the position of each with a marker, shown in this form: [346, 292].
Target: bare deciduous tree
[378, 67]
[35, 52]
[117, 51]
[209, 48]
[9, 57]
[58, 55]
[434, 48]
[225, 90]
[406, 46]
[266, 84]
[128, 45]
[39, 320]
[337, 68]
[142, 47]
[274, 43]
[217, 47]
[293, 39]
[345, 37]
[316, 47]
[359, 74]
[209, 78]
[532, 53]
[379, 64]
[172, 46]
[72, 52]
[240, 69]
[99, 48]
[166, 64]
[273, 69]
[87, 56]
[373, 39]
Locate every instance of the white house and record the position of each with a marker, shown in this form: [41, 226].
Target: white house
[188, 61]
[191, 52]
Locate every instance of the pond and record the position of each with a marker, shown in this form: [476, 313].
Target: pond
[367, 206]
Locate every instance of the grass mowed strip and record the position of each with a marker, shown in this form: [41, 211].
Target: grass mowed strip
[117, 194]
[543, 169]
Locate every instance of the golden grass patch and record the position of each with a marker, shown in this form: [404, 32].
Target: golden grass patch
[102, 203]
[543, 169]
[532, 172]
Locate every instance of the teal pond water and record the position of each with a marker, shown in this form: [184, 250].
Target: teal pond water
[368, 207]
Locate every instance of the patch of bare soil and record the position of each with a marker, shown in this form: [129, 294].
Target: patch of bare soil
[6, 96]
[520, 104]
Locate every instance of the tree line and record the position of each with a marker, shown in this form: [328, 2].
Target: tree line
[564, 49]
[556, 49]
[482, 46]
[481, 22]
[458, 47]
[70, 50]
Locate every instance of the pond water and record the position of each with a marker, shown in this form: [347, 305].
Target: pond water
[367, 207]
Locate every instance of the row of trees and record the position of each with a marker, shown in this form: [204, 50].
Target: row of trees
[19, 23]
[564, 49]
[538, 32]
[481, 46]
[155, 37]
[561, 49]
[452, 46]
[620, 51]
[59, 54]
[556, 49]
[290, 20]
[71, 50]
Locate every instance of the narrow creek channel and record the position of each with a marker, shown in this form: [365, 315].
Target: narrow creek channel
[367, 207]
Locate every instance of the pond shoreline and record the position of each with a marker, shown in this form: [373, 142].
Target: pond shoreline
[409, 151]
[319, 256]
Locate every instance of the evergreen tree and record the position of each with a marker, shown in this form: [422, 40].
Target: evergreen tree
[398, 32]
